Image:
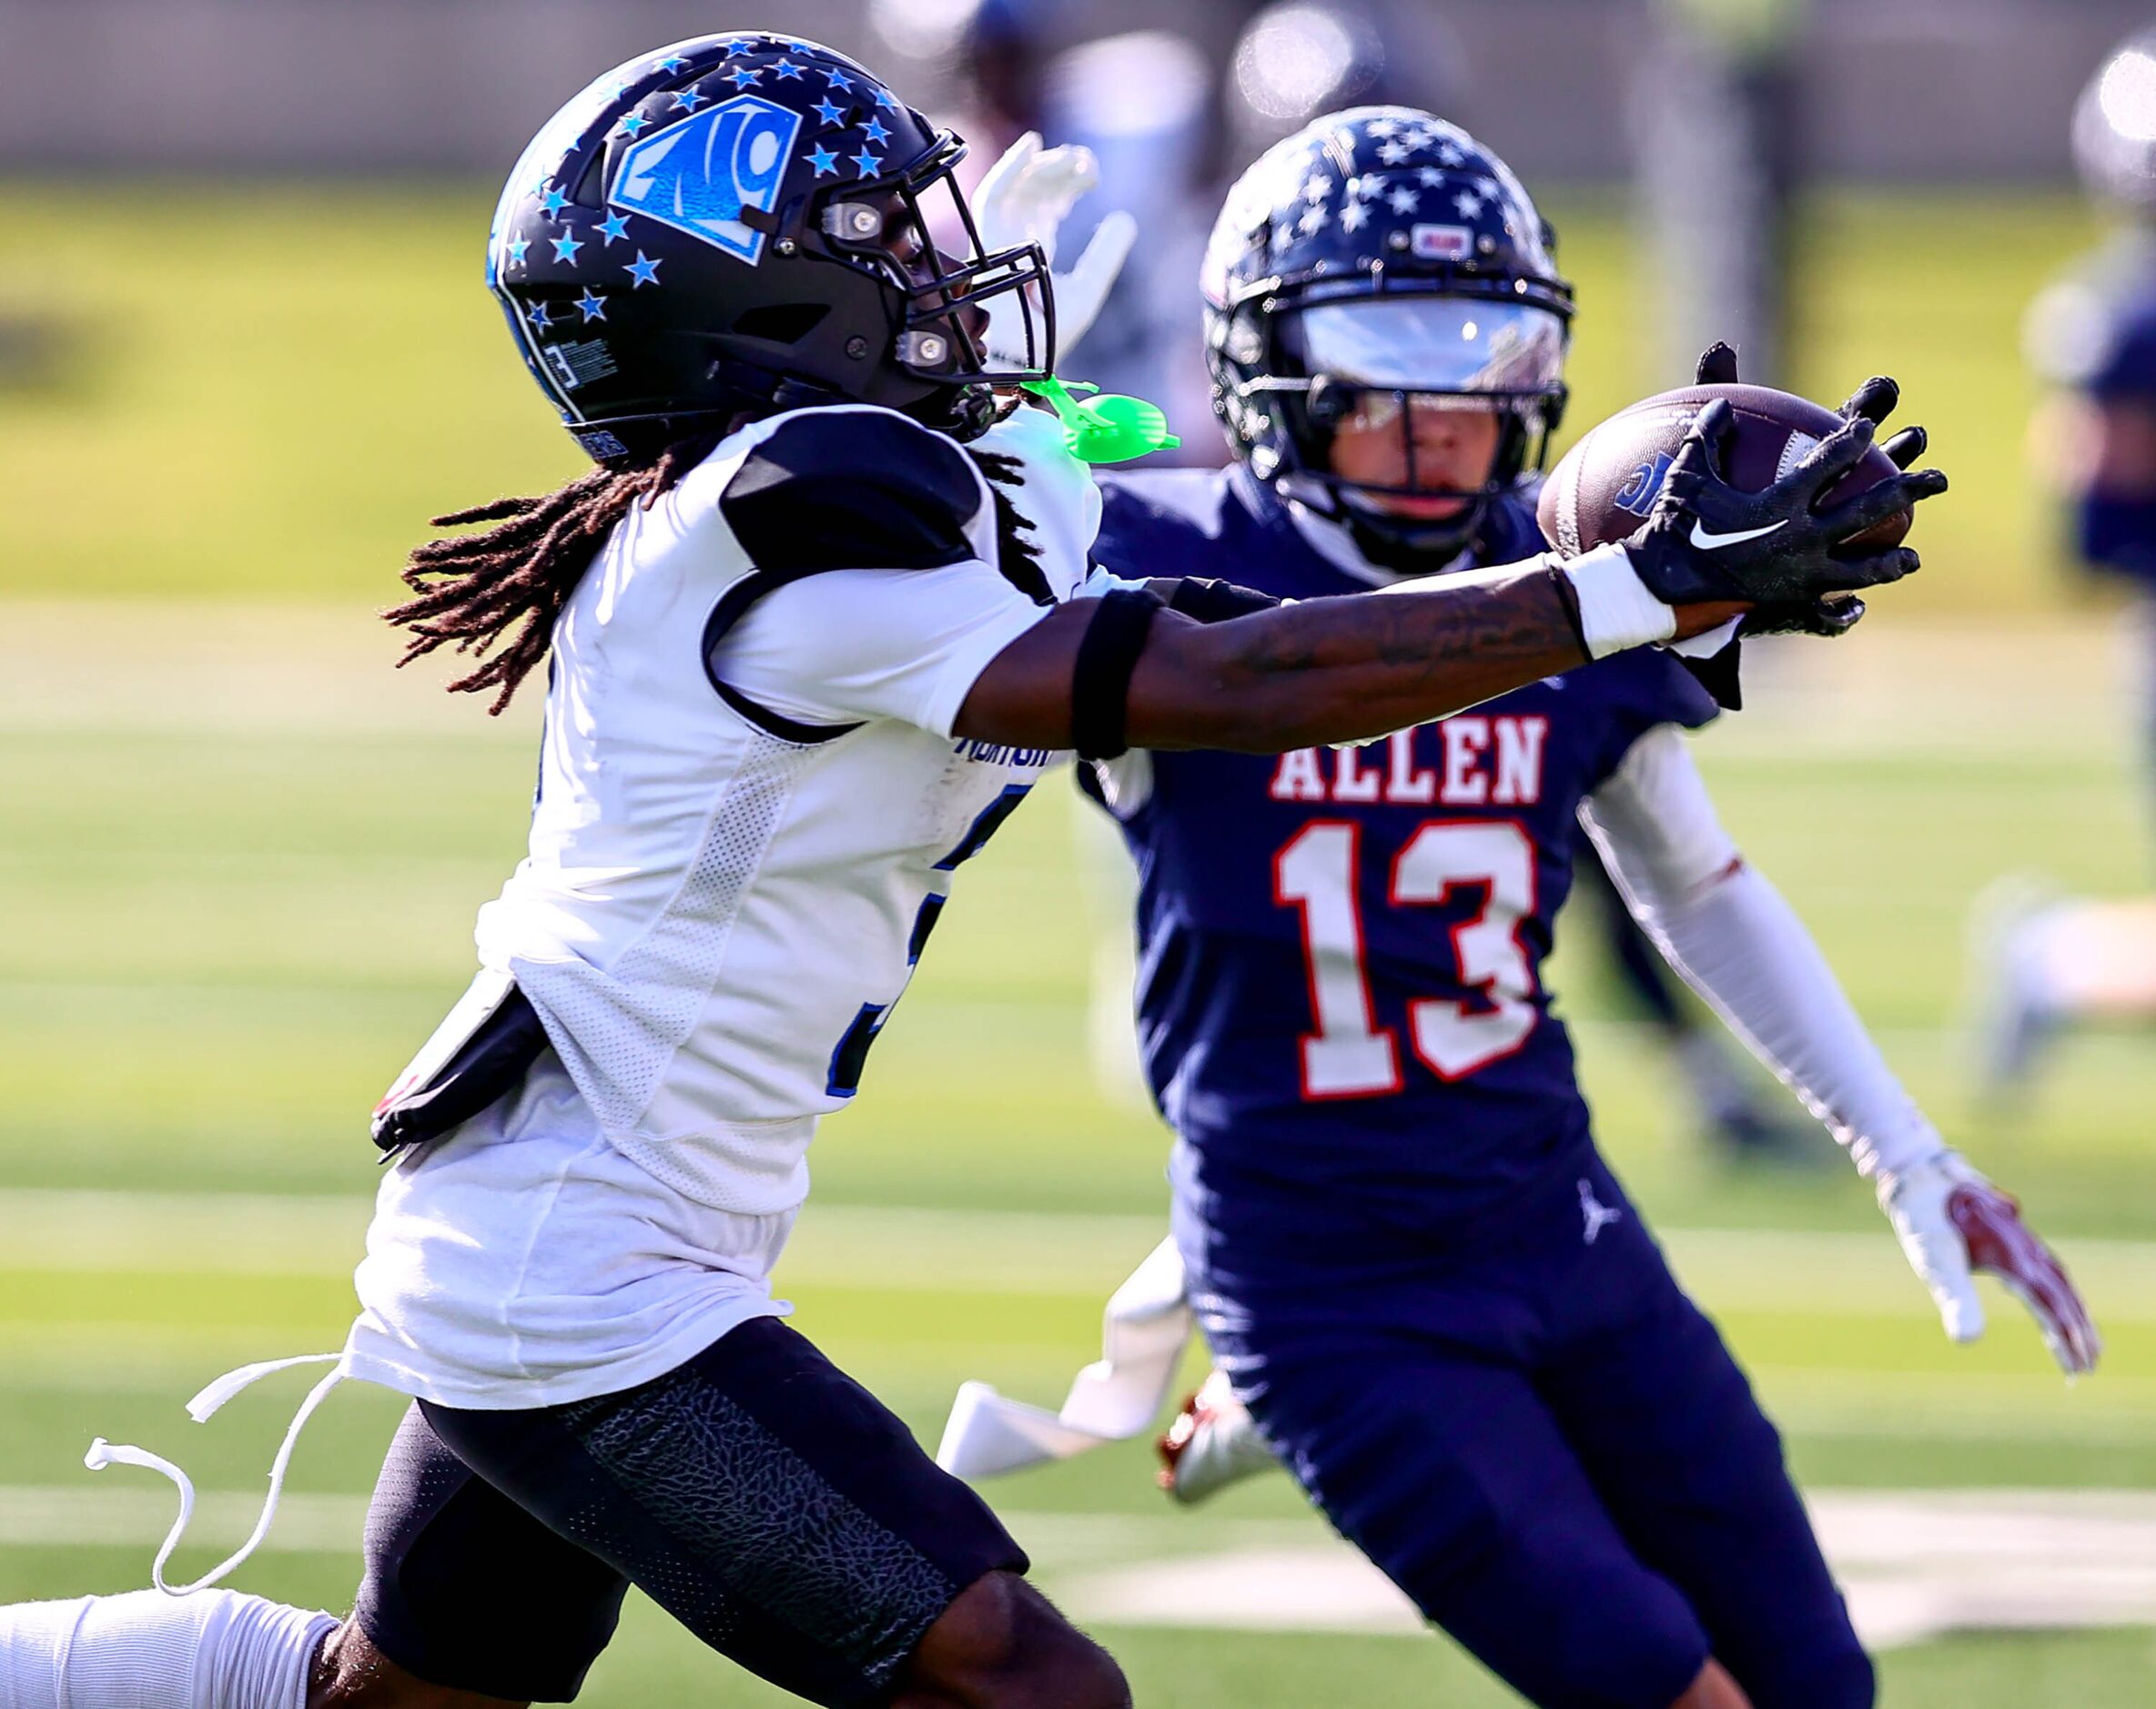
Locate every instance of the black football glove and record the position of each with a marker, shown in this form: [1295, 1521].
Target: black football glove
[1717, 366]
[1721, 675]
[1704, 541]
[1829, 618]
[1874, 400]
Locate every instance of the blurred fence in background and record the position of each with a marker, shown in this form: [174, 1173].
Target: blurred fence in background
[1890, 90]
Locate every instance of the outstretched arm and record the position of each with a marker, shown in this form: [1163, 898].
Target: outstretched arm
[1741, 947]
[1349, 668]
[1340, 669]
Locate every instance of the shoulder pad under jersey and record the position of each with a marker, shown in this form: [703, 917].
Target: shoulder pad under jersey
[853, 490]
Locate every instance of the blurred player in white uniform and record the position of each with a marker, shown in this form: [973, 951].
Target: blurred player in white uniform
[2046, 961]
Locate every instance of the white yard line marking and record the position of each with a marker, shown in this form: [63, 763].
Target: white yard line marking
[2031, 1411]
[1914, 1563]
[211, 1233]
[1852, 1274]
[2114, 1411]
[113, 1513]
[1071, 1256]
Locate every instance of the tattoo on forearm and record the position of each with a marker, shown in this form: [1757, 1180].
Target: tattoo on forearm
[1427, 635]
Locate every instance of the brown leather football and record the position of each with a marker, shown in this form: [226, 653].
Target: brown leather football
[1604, 488]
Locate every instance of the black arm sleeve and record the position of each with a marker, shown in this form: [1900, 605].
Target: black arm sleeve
[1100, 675]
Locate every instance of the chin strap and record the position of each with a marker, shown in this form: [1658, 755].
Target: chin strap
[1412, 547]
[962, 412]
[201, 1409]
[1400, 544]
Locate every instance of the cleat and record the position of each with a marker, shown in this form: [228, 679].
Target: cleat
[1213, 1441]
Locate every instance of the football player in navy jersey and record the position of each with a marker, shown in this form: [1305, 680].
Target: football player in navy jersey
[2047, 960]
[1415, 1271]
[812, 626]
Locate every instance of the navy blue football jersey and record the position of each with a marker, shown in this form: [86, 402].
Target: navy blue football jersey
[2113, 533]
[1340, 951]
[2094, 331]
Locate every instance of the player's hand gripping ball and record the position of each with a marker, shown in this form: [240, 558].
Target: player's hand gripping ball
[1754, 468]
[1874, 400]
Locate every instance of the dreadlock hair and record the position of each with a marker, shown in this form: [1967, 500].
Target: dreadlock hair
[1017, 556]
[473, 590]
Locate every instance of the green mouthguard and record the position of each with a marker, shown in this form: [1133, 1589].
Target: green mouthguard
[1107, 429]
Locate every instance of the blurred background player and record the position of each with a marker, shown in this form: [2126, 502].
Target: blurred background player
[1717, 116]
[1718, 144]
[1718, 147]
[1410, 1263]
[2044, 960]
[1137, 106]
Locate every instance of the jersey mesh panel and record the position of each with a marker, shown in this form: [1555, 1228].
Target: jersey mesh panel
[617, 1029]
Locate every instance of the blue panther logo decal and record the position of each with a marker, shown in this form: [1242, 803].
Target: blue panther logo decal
[1638, 493]
[699, 175]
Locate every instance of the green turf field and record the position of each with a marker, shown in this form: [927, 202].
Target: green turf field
[241, 857]
[277, 403]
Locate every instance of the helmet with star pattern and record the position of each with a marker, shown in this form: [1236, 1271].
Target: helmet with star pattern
[1379, 261]
[744, 223]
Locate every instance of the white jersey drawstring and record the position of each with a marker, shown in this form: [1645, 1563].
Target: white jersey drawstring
[200, 1409]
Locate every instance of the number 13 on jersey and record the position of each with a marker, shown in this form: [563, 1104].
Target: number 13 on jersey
[1348, 1054]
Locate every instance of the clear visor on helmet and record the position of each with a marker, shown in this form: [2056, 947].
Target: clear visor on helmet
[1434, 344]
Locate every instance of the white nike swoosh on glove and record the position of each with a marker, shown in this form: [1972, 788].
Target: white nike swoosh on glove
[1710, 543]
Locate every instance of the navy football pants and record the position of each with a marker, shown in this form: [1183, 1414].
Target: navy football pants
[1548, 1447]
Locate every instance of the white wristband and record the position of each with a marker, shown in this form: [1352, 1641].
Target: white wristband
[1616, 610]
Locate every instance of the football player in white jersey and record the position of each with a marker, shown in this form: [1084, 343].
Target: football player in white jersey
[817, 620]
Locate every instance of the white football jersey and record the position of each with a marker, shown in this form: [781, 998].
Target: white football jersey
[732, 872]
[722, 901]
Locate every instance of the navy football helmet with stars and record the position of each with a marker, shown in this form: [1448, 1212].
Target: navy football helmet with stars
[745, 223]
[1377, 262]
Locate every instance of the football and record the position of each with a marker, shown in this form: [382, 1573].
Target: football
[1605, 486]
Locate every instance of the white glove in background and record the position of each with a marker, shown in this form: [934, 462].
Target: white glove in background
[1025, 197]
